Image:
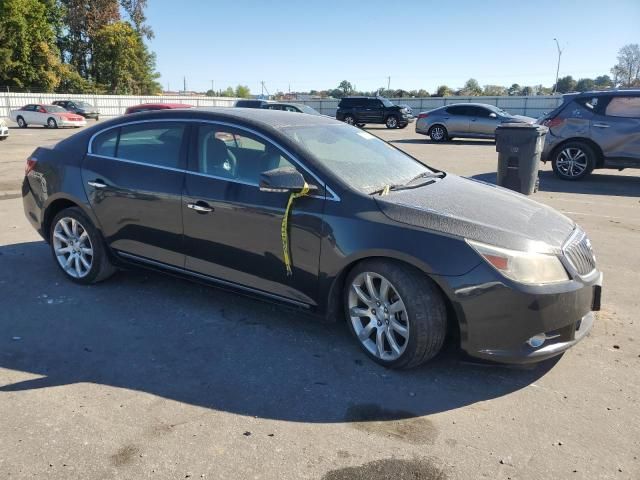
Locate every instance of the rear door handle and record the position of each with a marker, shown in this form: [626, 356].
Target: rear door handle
[601, 125]
[200, 207]
[97, 184]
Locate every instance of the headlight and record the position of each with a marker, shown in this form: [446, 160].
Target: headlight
[523, 267]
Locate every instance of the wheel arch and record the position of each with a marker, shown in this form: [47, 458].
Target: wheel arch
[60, 203]
[596, 148]
[334, 311]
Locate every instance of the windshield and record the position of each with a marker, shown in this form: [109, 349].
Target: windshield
[54, 109]
[309, 110]
[386, 102]
[499, 111]
[84, 105]
[360, 159]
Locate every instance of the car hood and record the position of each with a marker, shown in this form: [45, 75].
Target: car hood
[479, 211]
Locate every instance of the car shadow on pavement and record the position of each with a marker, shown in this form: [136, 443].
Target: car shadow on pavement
[188, 342]
[595, 184]
[427, 141]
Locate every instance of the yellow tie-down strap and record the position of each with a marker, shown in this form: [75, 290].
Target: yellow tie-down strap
[284, 228]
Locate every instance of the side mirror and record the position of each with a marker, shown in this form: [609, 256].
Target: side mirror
[493, 115]
[284, 179]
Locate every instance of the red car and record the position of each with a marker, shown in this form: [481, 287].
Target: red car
[145, 107]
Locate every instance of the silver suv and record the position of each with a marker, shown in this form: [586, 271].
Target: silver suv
[593, 130]
[468, 120]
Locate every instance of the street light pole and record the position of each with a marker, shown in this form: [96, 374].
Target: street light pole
[555, 85]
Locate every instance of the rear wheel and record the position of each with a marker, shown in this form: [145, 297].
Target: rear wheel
[78, 248]
[349, 119]
[21, 123]
[573, 161]
[438, 133]
[396, 313]
[392, 121]
[360, 125]
[51, 123]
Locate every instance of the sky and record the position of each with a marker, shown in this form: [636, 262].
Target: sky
[303, 45]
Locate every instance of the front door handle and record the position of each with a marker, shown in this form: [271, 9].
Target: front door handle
[601, 125]
[200, 207]
[97, 184]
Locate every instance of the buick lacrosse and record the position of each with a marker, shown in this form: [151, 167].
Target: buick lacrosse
[324, 216]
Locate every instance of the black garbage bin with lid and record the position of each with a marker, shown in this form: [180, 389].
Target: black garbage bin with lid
[519, 146]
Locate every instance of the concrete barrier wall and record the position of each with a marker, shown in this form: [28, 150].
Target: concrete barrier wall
[111, 105]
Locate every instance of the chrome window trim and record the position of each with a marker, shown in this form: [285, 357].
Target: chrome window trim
[330, 194]
[135, 162]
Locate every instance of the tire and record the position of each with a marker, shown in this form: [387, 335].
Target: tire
[100, 267]
[21, 123]
[573, 161]
[3, 138]
[438, 133]
[360, 125]
[391, 121]
[423, 317]
[349, 119]
[403, 126]
[51, 123]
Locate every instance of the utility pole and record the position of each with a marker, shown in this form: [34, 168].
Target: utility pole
[184, 84]
[212, 91]
[555, 85]
[388, 83]
[262, 88]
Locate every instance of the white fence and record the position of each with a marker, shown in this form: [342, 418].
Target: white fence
[111, 105]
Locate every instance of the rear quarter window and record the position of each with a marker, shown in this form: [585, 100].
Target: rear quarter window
[627, 107]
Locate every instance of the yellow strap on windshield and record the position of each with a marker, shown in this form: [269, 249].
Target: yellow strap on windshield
[284, 228]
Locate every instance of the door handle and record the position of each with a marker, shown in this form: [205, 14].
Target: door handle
[601, 125]
[97, 184]
[200, 207]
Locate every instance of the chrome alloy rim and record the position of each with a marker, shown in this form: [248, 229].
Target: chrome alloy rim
[437, 133]
[378, 316]
[72, 247]
[572, 162]
[349, 120]
[392, 122]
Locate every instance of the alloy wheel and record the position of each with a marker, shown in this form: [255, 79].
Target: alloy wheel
[349, 120]
[72, 247]
[21, 122]
[392, 122]
[51, 123]
[572, 162]
[437, 133]
[378, 316]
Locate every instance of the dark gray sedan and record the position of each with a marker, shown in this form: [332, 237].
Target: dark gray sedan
[467, 120]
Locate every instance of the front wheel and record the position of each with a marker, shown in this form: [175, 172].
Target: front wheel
[78, 248]
[348, 119]
[392, 121]
[51, 123]
[573, 161]
[21, 122]
[396, 313]
[438, 133]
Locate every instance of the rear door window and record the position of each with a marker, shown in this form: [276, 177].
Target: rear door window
[477, 112]
[458, 110]
[374, 103]
[106, 143]
[627, 107]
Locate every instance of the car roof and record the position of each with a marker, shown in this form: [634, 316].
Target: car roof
[466, 104]
[168, 105]
[614, 92]
[275, 119]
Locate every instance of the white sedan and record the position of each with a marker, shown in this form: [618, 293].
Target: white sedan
[4, 130]
[51, 116]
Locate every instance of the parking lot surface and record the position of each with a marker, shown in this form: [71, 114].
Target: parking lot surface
[148, 376]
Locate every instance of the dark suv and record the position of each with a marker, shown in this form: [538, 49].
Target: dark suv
[362, 110]
[81, 108]
[593, 130]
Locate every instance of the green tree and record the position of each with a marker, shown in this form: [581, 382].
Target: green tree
[242, 91]
[135, 11]
[585, 84]
[336, 93]
[346, 87]
[471, 88]
[514, 89]
[627, 71]
[528, 91]
[29, 58]
[603, 81]
[565, 84]
[443, 91]
[210, 93]
[122, 62]
[227, 93]
[494, 91]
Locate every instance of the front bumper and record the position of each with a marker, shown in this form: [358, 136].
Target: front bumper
[93, 115]
[497, 317]
[72, 123]
[4, 131]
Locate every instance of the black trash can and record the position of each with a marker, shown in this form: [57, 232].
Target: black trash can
[519, 146]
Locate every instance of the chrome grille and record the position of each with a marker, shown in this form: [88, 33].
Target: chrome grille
[578, 252]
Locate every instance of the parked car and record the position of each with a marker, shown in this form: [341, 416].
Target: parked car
[593, 130]
[362, 110]
[51, 116]
[147, 107]
[407, 108]
[405, 252]
[252, 103]
[4, 129]
[291, 107]
[80, 107]
[465, 120]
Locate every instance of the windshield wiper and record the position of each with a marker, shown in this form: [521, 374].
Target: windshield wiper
[406, 186]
